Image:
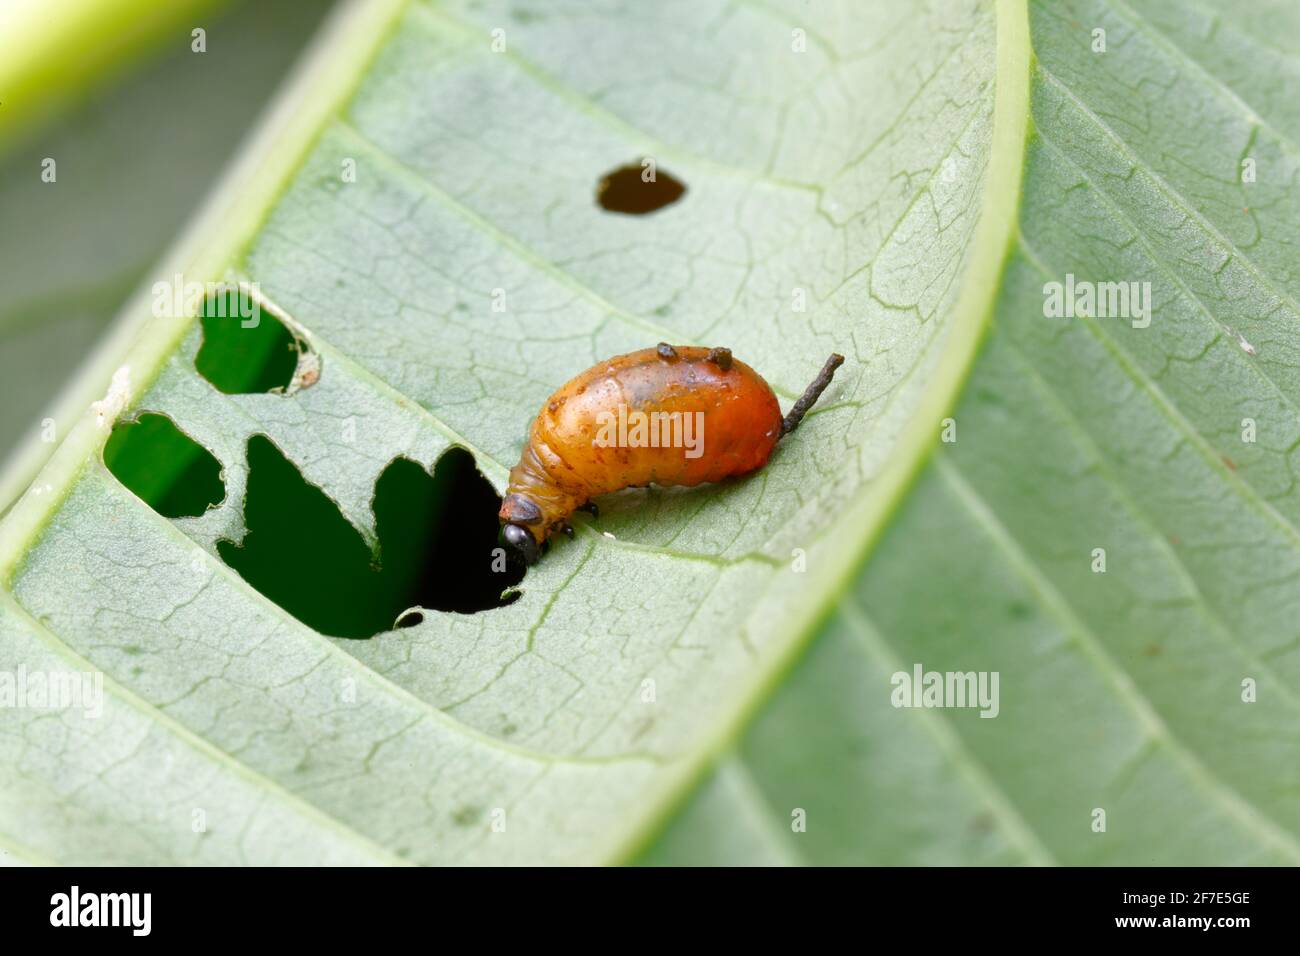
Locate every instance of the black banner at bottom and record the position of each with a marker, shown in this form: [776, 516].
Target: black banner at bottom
[341, 906]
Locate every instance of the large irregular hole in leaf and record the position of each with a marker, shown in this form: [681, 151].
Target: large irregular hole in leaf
[245, 349]
[437, 545]
[167, 469]
[626, 190]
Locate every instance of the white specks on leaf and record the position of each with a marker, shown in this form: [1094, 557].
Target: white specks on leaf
[119, 390]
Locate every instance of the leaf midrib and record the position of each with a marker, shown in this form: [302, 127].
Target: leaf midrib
[1218, 790]
[992, 241]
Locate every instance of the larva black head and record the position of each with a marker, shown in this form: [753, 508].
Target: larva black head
[521, 541]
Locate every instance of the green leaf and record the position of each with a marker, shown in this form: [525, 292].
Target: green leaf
[879, 171]
[1119, 690]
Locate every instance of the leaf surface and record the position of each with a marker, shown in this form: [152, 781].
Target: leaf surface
[1120, 691]
[880, 172]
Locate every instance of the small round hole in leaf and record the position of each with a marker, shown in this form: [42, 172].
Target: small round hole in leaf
[245, 348]
[636, 190]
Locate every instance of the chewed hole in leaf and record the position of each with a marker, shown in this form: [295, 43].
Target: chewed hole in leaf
[245, 348]
[437, 545]
[636, 190]
[163, 466]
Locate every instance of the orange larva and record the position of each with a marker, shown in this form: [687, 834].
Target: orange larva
[667, 415]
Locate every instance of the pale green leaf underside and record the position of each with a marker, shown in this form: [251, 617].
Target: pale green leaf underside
[856, 171]
[1122, 690]
[536, 708]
